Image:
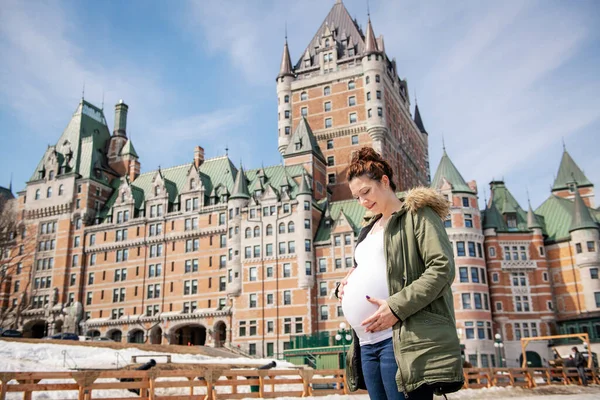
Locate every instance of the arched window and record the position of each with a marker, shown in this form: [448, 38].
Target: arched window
[326, 42]
[60, 190]
[248, 233]
[351, 85]
[51, 175]
[256, 231]
[37, 194]
[303, 96]
[192, 183]
[286, 99]
[156, 190]
[49, 192]
[269, 230]
[282, 228]
[291, 227]
[326, 91]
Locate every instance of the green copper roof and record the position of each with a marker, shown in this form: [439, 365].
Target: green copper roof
[353, 211]
[129, 149]
[82, 145]
[447, 170]
[503, 205]
[492, 218]
[558, 215]
[569, 172]
[582, 218]
[303, 141]
[240, 186]
[277, 176]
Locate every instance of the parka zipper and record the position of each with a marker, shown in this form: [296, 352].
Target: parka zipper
[388, 283]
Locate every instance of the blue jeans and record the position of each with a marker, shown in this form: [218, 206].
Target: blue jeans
[379, 370]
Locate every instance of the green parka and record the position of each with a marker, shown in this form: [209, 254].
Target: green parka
[420, 270]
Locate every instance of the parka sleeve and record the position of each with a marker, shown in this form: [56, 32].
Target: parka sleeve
[436, 251]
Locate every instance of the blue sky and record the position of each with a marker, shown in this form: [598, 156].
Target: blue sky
[503, 82]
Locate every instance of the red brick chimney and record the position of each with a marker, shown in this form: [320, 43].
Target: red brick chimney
[134, 169]
[198, 156]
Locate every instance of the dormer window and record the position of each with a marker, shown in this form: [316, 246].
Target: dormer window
[299, 144]
[123, 197]
[351, 52]
[326, 42]
[306, 63]
[156, 190]
[572, 187]
[51, 175]
[511, 220]
[192, 183]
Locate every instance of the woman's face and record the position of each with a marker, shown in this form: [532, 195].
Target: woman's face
[371, 194]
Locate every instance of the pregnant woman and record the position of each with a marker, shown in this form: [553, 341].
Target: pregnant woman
[397, 298]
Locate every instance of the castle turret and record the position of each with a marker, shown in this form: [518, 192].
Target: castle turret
[584, 241]
[374, 65]
[237, 201]
[284, 99]
[306, 257]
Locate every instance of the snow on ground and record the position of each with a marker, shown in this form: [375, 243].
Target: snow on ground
[19, 356]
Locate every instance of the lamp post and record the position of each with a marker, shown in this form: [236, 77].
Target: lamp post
[498, 344]
[344, 336]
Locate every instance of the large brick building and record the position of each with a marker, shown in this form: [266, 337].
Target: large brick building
[210, 253]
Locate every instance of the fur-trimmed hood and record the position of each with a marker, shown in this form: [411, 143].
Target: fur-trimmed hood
[420, 197]
[416, 199]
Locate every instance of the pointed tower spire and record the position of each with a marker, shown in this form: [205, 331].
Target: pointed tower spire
[582, 219]
[448, 171]
[304, 185]
[569, 173]
[286, 63]
[532, 220]
[370, 41]
[240, 186]
[418, 120]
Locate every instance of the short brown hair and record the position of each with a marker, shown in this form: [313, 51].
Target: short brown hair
[367, 161]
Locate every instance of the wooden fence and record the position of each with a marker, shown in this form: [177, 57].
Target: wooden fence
[222, 382]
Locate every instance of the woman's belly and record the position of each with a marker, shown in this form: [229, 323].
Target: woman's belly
[361, 283]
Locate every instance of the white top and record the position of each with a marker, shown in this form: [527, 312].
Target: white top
[368, 279]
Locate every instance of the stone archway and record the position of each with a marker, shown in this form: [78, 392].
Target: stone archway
[533, 359]
[220, 333]
[58, 326]
[116, 335]
[156, 335]
[136, 336]
[189, 335]
[35, 329]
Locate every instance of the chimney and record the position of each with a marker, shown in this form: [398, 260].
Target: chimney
[198, 156]
[134, 169]
[120, 119]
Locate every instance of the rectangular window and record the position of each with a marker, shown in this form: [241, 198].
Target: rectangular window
[330, 161]
[471, 249]
[308, 267]
[465, 202]
[338, 263]
[354, 139]
[307, 245]
[252, 274]
[460, 249]
[324, 313]
[597, 298]
[253, 301]
[287, 297]
[304, 111]
[287, 270]
[351, 101]
[464, 274]
[322, 288]
[593, 273]
[578, 248]
[466, 300]
[327, 107]
[353, 118]
[591, 246]
[349, 262]
[477, 300]
[291, 247]
[468, 221]
[328, 122]
[322, 265]
[474, 274]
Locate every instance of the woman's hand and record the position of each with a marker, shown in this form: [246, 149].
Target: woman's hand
[382, 319]
[341, 289]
